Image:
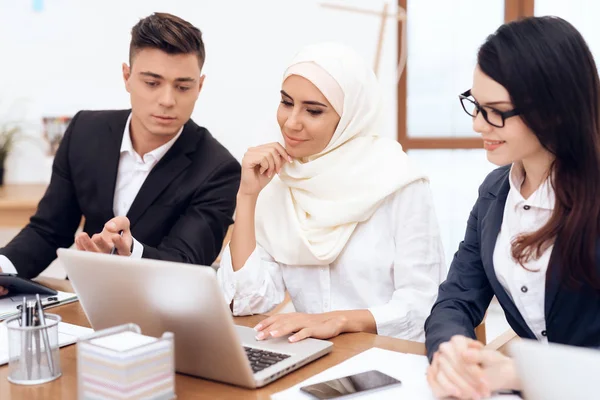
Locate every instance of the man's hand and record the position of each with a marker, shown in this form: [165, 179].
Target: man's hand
[3, 291]
[318, 326]
[110, 237]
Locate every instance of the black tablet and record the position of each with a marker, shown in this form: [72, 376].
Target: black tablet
[17, 285]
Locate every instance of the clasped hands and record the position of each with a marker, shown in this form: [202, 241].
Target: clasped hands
[464, 369]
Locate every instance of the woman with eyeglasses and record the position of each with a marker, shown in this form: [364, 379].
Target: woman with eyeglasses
[532, 236]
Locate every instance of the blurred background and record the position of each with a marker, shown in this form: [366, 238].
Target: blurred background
[60, 56]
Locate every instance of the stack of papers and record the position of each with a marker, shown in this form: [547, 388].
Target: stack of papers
[8, 305]
[408, 368]
[67, 334]
[126, 365]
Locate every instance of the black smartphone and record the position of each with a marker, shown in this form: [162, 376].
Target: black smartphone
[348, 385]
[17, 285]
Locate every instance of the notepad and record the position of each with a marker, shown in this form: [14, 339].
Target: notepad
[408, 368]
[8, 305]
[126, 365]
[67, 334]
[123, 341]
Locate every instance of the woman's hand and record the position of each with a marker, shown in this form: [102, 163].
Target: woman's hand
[451, 374]
[259, 165]
[319, 326]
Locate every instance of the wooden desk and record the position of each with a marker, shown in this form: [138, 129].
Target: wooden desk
[345, 346]
[18, 203]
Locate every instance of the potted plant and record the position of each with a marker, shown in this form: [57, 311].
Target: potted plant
[9, 133]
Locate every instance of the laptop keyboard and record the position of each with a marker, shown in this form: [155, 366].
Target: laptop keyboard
[261, 359]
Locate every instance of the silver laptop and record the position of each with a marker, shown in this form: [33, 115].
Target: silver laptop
[184, 299]
[556, 372]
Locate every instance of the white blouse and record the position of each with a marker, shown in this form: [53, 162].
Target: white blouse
[526, 287]
[392, 265]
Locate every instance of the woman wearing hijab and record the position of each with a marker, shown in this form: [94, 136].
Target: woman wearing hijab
[338, 216]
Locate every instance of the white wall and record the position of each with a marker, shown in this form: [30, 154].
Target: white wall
[68, 57]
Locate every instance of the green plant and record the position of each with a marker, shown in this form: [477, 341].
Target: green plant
[9, 134]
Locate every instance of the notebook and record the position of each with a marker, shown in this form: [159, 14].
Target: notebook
[8, 305]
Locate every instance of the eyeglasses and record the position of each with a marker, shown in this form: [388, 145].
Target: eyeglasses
[493, 117]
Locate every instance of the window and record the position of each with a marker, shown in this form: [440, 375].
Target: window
[443, 38]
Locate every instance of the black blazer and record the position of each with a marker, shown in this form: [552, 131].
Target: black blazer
[181, 212]
[572, 315]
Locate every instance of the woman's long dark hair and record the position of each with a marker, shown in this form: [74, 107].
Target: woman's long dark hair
[547, 68]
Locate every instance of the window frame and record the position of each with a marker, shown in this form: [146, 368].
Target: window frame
[513, 9]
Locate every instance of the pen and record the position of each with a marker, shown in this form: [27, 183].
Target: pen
[506, 392]
[38, 347]
[114, 249]
[24, 312]
[42, 319]
[24, 339]
[50, 301]
[28, 339]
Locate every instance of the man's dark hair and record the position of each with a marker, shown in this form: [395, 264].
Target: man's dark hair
[168, 33]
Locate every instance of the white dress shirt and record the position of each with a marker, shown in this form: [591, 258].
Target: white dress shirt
[132, 172]
[392, 265]
[526, 287]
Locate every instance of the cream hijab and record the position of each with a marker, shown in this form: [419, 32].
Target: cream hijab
[306, 215]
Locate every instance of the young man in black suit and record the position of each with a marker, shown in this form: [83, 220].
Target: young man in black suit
[148, 181]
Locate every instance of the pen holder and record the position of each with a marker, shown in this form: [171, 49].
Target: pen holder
[122, 363]
[33, 351]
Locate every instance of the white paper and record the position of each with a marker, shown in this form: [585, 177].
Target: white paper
[67, 334]
[410, 369]
[8, 305]
[123, 341]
